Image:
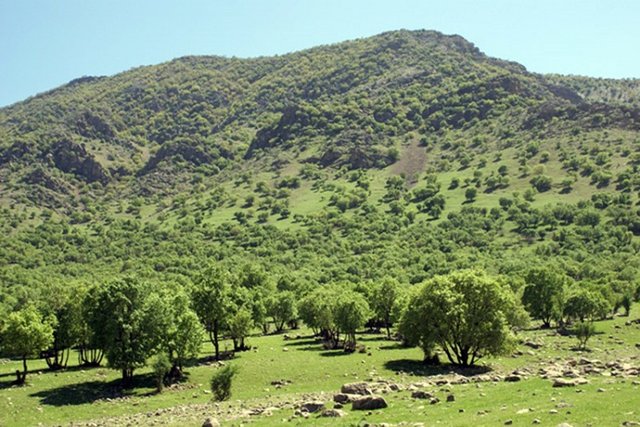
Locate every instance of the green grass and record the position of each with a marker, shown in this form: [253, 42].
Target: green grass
[83, 394]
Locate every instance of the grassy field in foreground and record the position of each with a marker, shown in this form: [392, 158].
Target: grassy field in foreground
[85, 394]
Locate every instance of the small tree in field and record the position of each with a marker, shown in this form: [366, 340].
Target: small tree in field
[584, 331]
[25, 334]
[221, 382]
[240, 326]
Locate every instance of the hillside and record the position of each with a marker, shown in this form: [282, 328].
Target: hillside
[344, 175]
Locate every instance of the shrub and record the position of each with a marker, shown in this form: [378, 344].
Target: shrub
[221, 382]
[584, 331]
[161, 367]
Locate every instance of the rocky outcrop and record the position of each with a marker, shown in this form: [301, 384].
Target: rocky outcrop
[191, 154]
[73, 158]
[91, 125]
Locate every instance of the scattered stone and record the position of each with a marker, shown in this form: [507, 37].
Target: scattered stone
[523, 411]
[532, 344]
[342, 398]
[601, 390]
[356, 388]
[369, 402]
[421, 394]
[536, 421]
[512, 378]
[334, 413]
[508, 422]
[434, 400]
[561, 382]
[211, 422]
[312, 407]
[553, 411]
[451, 398]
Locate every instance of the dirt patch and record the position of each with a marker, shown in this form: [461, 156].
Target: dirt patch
[412, 162]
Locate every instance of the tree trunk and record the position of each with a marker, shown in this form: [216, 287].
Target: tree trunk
[21, 377]
[216, 344]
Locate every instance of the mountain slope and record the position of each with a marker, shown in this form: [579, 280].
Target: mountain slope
[408, 153]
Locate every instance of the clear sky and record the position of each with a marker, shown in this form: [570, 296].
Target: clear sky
[45, 43]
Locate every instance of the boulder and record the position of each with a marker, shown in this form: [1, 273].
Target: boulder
[421, 394]
[332, 413]
[512, 378]
[211, 422]
[343, 398]
[356, 388]
[369, 402]
[312, 407]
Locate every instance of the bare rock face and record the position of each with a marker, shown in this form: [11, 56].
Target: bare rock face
[369, 403]
[73, 158]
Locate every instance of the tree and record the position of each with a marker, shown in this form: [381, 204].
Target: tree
[66, 308]
[383, 301]
[125, 324]
[25, 334]
[465, 313]
[584, 304]
[470, 194]
[212, 303]
[282, 308]
[240, 326]
[351, 312]
[183, 334]
[544, 294]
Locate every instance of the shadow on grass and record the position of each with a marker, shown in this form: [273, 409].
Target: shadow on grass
[91, 391]
[417, 367]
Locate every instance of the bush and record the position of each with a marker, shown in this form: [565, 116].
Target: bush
[161, 367]
[221, 382]
[584, 331]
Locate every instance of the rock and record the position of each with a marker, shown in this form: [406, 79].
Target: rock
[536, 421]
[343, 398]
[211, 422]
[508, 422]
[369, 402]
[421, 394]
[356, 388]
[512, 378]
[451, 398]
[312, 407]
[561, 382]
[565, 425]
[434, 400]
[333, 413]
[532, 344]
[553, 411]
[523, 411]
[601, 390]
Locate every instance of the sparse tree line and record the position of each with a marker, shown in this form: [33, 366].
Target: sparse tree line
[466, 314]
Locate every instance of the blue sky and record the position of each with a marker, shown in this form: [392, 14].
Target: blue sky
[45, 43]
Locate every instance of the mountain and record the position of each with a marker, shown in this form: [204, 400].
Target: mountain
[334, 150]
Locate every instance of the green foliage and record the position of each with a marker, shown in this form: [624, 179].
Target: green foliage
[465, 313]
[240, 325]
[583, 304]
[543, 295]
[221, 382]
[126, 323]
[584, 331]
[25, 333]
[211, 295]
[161, 367]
